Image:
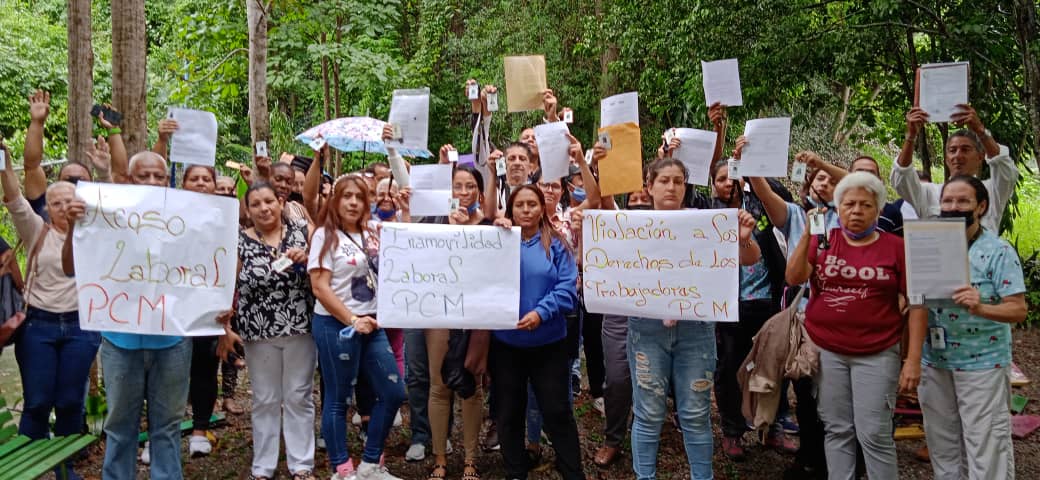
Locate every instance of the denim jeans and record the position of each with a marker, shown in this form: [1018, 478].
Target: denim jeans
[340, 363]
[132, 377]
[417, 378]
[54, 358]
[679, 358]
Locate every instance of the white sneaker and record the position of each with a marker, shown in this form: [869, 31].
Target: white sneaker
[416, 453]
[397, 419]
[600, 406]
[199, 446]
[374, 471]
[146, 453]
[356, 419]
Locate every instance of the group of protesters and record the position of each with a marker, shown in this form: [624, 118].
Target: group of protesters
[287, 327]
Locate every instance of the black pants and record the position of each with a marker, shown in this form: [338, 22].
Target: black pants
[591, 337]
[617, 397]
[202, 391]
[810, 427]
[733, 342]
[548, 369]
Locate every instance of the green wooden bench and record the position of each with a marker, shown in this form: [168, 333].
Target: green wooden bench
[24, 458]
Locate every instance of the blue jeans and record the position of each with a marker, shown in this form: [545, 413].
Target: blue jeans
[340, 363]
[54, 358]
[132, 377]
[679, 358]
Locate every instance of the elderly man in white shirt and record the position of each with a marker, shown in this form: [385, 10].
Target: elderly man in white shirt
[964, 152]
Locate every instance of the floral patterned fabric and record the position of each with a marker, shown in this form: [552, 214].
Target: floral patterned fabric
[273, 304]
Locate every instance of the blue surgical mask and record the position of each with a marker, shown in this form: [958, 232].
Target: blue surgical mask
[578, 194]
[383, 214]
[859, 236]
[473, 208]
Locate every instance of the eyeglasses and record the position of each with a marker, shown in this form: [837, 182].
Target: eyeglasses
[552, 187]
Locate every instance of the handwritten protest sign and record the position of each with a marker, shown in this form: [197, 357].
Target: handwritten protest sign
[448, 276]
[679, 265]
[153, 260]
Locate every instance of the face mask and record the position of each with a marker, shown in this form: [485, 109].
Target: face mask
[578, 194]
[296, 197]
[859, 236]
[383, 214]
[640, 207]
[968, 216]
[473, 208]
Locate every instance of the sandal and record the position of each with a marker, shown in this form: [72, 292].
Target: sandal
[303, 475]
[439, 472]
[470, 471]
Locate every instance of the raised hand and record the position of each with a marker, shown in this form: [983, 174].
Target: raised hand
[100, 155]
[39, 106]
[915, 120]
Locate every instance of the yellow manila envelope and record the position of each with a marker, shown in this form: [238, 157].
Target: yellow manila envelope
[525, 82]
[621, 171]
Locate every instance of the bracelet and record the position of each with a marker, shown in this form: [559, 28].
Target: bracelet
[114, 131]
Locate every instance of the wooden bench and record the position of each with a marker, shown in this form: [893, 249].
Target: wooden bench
[24, 458]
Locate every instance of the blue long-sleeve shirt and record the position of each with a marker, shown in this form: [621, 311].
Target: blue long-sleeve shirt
[547, 286]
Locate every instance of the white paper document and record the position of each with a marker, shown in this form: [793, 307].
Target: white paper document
[154, 260]
[936, 260]
[941, 87]
[195, 141]
[695, 150]
[722, 82]
[553, 149]
[449, 276]
[765, 154]
[668, 264]
[410, 110]
[621, 108]
[431, 190]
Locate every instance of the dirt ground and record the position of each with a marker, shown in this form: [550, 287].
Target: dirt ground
[232, 457]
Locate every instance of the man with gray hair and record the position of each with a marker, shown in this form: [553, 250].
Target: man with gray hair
[964, 153]
[143, 368]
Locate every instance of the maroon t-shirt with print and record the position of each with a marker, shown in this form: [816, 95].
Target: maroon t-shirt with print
[854, 307]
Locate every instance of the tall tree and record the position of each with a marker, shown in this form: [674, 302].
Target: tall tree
[81, 80]
[259, 120]
[1028, 37]
[129, 67]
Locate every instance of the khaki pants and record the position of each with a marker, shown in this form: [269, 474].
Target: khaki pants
[440, 400]
[967, 423]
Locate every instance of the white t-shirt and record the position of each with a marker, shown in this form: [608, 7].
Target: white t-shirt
[350, 272]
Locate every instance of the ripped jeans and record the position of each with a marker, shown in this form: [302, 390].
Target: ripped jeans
[341, 361]
[662, 360]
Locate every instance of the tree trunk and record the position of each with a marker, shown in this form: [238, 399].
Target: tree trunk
[259, 120]
[337, 104]
[325, 79]
[129, 68]
[607, 80]
[81, 80]
[1028, 39]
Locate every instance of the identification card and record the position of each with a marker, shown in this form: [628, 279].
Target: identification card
[453, 156]
[588, 156]
[817, 224]
[473, 92]
[233, 164]
[317, 143]
[281, 265]
[454, 205]
[798, 172]
[668, 136]
[500, 166]
[734, 169]
[261, 149]
[3, 160]
[604, 140]
[492, 102]
[397, 134]
[937, 337]
[568, 116]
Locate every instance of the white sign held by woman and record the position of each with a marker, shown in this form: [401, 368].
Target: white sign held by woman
[675, 265]
[154, 260]
[448, 276]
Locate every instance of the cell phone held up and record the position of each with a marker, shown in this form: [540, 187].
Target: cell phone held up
[111, 116]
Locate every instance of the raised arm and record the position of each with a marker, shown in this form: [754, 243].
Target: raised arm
[798, 267]
[750, 252]
[35, 178]
[719, 122]
[119, 167]
[592, 199]
[491, 186]
[167, 127]
[776, 207]
[813, 161]
[27, 222]
[903, 177]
